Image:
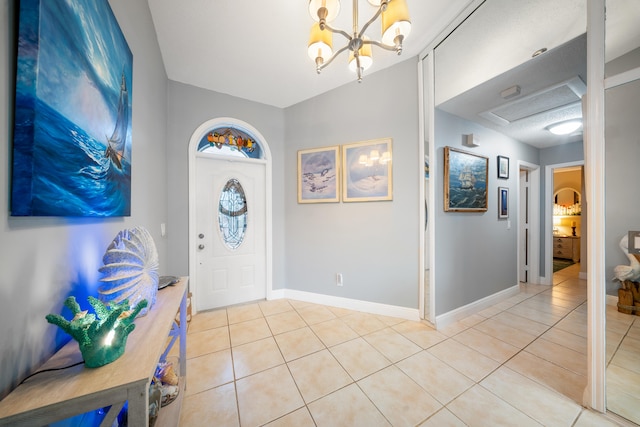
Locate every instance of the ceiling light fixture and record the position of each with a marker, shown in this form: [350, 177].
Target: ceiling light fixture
[395, 28]
[565, 128]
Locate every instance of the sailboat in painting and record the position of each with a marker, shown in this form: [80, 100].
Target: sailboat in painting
[467, 178]
[116, 143]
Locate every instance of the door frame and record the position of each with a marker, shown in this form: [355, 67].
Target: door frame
[196, 137]
[534, 221]
[548, 215]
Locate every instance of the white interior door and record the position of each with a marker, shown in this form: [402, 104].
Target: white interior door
[231, 235]
[523, 223]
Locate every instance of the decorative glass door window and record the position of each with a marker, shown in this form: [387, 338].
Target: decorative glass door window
[232, 214]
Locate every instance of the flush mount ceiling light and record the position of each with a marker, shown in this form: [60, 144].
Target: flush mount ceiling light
[395, 28]
[565, 128]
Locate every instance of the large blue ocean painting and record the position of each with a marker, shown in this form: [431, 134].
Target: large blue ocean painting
[72, 133]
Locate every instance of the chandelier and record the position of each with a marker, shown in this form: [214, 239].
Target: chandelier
[395, 28]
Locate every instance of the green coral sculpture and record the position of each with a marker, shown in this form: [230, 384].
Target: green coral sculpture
[102, 340]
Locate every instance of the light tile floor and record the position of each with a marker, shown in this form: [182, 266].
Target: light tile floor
[289, 363]
[623, 364]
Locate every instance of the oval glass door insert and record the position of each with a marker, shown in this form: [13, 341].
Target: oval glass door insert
[232, 214]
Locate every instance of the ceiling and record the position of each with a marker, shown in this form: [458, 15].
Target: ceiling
[551, 86]
[257, 50]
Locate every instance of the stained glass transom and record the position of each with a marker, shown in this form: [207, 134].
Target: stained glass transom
[230, 141]
[232, 214]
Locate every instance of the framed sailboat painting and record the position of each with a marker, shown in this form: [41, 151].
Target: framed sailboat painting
[465, 181]
[72, 130]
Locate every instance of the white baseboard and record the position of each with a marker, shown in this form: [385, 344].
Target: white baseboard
[347, 303]
[612, 300]
[460, 313]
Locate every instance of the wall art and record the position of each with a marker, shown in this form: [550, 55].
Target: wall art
[319, 175]
[465, 181]
[503, 203]
[72, 130]
[503, 167]
[367, 171]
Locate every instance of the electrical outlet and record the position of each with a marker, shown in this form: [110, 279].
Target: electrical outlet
[339, 279]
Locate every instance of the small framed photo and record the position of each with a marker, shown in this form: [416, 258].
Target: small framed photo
[319, 175]
[503, 203]
[367, 174]
[503, 167]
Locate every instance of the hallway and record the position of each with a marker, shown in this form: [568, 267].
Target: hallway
[292, 363]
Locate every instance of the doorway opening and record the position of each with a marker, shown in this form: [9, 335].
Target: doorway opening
[563, 219]
[220, 151]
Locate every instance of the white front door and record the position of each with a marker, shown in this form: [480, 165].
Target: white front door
[231, 236]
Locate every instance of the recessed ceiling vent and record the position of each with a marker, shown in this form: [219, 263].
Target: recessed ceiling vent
[552, 98]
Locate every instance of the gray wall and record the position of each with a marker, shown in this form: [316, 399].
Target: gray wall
[622, 136]
[189, 107]
[43, 260]
[475, 255]
[373, 244]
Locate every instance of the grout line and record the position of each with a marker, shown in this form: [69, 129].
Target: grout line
[447, 337]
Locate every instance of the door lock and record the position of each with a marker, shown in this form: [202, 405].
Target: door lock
[201, 236]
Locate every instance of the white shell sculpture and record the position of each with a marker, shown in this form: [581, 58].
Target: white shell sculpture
[130, 269]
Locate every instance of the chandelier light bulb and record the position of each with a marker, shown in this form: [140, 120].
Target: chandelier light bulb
[320, 44]
[366, 57]
[396, 26]
[329, 8]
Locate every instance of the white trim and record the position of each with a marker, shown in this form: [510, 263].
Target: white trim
[612, 300]
[548, 214]
[460, 313]
[193, 153]
[349, 304]
[534, 221]
[622, 78]
[421, 198]
[594, 154]
[426, 108]
[433, 180]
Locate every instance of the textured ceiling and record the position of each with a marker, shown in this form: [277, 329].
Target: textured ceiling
[543, 99]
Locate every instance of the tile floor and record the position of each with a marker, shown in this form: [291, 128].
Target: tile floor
[623, 364]
[288, 363]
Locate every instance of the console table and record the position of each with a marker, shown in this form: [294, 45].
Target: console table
[57, 395]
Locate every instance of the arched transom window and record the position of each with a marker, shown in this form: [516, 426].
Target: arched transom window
[230, 141]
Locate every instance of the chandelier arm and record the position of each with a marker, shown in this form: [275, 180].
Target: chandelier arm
[380, 44]
[358, 68]
[370, 21]
[336, 31]
[337, 53]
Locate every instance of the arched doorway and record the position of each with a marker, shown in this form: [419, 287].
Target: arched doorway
[229, 214]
